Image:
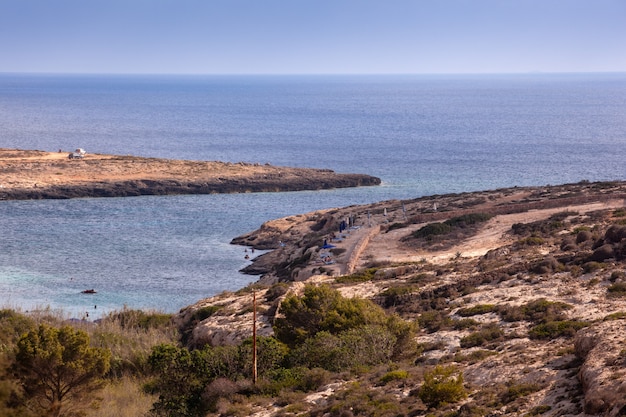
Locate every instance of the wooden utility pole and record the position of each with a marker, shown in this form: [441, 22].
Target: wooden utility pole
[254, 372]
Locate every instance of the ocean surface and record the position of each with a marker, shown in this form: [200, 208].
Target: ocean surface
[421, 135]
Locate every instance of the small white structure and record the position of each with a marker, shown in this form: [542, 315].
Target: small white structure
[77, 154]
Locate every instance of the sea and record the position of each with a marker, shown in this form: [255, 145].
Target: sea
[421, 134]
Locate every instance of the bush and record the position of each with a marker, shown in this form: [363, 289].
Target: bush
[322, 308]
[615, 316]
[617, 290]
[592, 266]
[359, 400]
[138, 319]
[393, 295]
[476, 310]
[359, 276]
[396, 375]
[432, 229]
[554, 329]
[434, 320]
[276, 291]
[516, 391]
[531, 241]
[362, 346]
[459, 222]
[602, 253]
[442, 385]
[488, 334]
[465, 324]
[536, 311]
[468, 219]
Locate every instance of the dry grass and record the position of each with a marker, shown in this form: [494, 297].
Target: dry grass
[123, 397]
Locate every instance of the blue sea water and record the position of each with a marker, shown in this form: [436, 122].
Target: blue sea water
[421, 135]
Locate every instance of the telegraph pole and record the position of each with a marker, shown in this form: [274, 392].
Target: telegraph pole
[254, 372]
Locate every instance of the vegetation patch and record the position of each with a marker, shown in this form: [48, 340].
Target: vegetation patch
[476, 310]
[398, 374]
[487, 334]
[442, 385]
[617, 290]
[553, 329]
[536, 311]
[515, 391]
[474, 356]
[459, 222]
[359, 276]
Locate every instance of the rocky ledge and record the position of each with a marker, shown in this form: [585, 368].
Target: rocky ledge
[53, 175]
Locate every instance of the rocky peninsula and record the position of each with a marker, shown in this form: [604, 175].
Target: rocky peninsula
[521, 290]
[33, 174]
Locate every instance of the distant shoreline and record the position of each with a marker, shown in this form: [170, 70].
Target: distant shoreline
[34, 175]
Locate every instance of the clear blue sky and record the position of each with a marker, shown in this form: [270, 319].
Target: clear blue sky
[312, 36]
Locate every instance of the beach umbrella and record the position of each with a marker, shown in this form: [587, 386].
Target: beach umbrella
[328, 246]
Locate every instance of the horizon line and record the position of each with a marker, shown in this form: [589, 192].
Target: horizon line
[311, 74]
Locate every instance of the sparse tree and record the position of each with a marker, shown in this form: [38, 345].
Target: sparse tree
[57, 368]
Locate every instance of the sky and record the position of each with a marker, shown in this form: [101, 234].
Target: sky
[312, 36]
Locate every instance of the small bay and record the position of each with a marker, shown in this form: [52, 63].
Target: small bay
[421, 135]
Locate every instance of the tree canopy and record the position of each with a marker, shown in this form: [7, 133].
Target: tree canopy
[57, 367]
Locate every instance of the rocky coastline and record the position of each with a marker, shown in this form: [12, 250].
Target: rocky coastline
[528, 302]
[31, 174]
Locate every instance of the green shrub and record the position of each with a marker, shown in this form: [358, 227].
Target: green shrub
[361, 346]
[322, 308]
[12, 326]
[204, 313]
[487, 334]
[620, 212]
[592, 266]
[617, 290]
[395, 226]
[437, 229]
[393, 295]
[396, 375]
[615, 275]
[276, 291]
[615, 316]
[359, 400]
[539, 410]
[432, 229]
[536, 311]
[476, 310]
[531, 241]
[442, 385]
[515, 391]
[359, 276]
[554, 329]
[138, 319]
[468, 219]
[434, 320]
[465, 324]
[300, 379]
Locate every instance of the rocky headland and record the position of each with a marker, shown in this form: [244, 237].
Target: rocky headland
[32, 174]
[521, 290]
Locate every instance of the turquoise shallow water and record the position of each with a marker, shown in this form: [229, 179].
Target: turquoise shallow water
[421, 135]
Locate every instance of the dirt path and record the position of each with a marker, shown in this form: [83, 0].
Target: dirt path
[387, 246]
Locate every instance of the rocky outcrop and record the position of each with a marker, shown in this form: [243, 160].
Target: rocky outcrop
[304, 179]
[603, 349]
